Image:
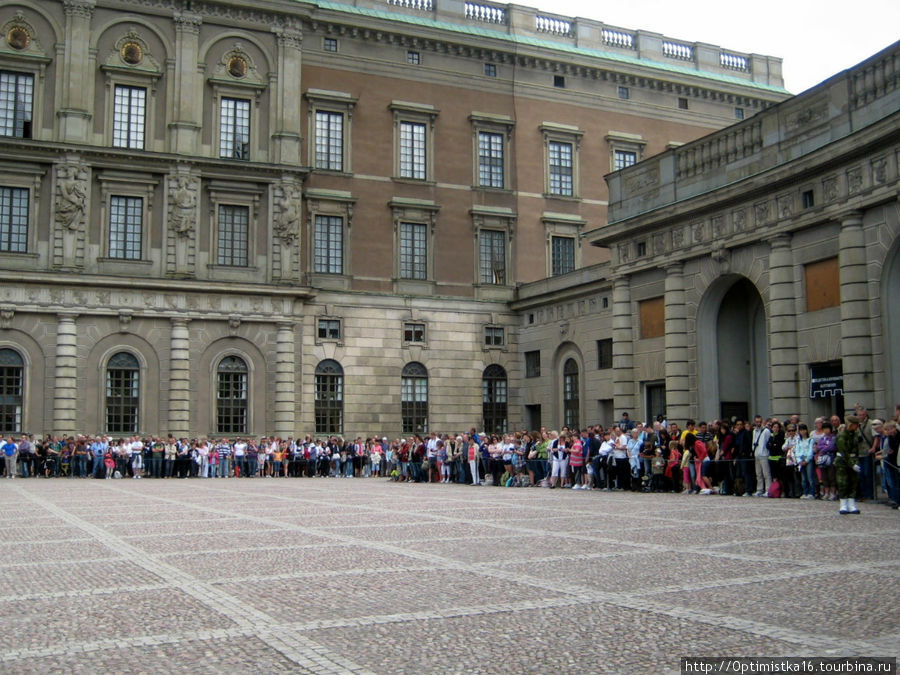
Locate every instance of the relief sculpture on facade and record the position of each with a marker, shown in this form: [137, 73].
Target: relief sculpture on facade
[287, 214]
[71, 195]
[183, 198]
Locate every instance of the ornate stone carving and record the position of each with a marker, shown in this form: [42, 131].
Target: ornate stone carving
[830, 188]
[21, 36]
[188, 22]
[659, 244]
[287, 212]
[184, 194]
[761, 210]
[82, 8]
[809, 116]
[125, 318]
[234, 322]
[71, 195]
[698, 232]
[718, 226]
[854, 180]
[677, 237]
[785, 206]
[623, 253]
[739, 219]
[7, 312]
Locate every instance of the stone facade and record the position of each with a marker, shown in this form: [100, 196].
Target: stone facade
[745, 267]
[222, 200]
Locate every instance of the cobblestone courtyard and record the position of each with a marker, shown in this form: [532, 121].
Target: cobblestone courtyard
[329, 575]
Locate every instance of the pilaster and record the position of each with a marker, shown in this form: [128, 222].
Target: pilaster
[184, 137]
[623, 346]
[65, 393]
[783, 354]
[288, 122]
[180, 379]
[74, 113]
[678, 395]
[285, 402]
[856, 341]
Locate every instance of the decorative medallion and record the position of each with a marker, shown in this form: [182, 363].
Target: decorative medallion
[237, 67]
[18, 37]
[132, 53]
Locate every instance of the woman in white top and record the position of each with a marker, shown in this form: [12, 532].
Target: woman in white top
[559, 458]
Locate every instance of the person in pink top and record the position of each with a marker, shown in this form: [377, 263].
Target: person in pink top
[701, 463]
[576, 460]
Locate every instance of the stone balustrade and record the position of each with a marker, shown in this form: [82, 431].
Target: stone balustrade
[591, 34]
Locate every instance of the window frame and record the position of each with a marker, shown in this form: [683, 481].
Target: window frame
[567, 226]
[128, 144]
[6, 228]
[329, 378]
[220, 131]
[335, 103]
[621, 141]
[330, 204]
[330, 322]
[494, 337]
[495, 398]
[571, 384]
[117, 184]
[604, 354]
[18, 406]
[123, 402]
[232, 261]
[217, 389]
[409, 332]
[532, 369]
[249, 86]
[30, 112]
[554, 133]
[503, 126]
[247, 195]
[414, 212]
[32, 60]
[405, 112]
[413, 375]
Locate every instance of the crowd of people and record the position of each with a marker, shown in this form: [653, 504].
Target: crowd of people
[834, 459]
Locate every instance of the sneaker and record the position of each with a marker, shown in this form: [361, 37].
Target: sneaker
[747, 494]
[685, 492]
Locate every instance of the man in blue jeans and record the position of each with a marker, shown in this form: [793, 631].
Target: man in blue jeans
[98, 452]
[10, 454]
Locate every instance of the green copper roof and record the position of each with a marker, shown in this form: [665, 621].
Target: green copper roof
[482, 31]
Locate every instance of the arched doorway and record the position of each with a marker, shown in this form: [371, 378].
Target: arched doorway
[733, 361]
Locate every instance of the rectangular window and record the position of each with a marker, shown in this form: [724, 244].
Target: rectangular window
[328, 245]
[233, 236]
[329, 329]
[738, 113]
[414, 332]
[562, 255]
[623, 158]
[16, 101]
[412, 150]
[14, 220]
[823, 284]
[559, 81]
[493, 336]
[604, 354]
[329, 140]
[493, 257]
[682, 103]
[624, 94]
[653, 318]
[533, 364]
[808, 198]
[490, 159]
[234, 129]
[129, 111]
[330, 44]
[413, 58]
[413, 251]
[126, 215]
[490, 70]
[560, 168]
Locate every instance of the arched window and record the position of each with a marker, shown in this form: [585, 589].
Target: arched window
[329, 397]
[414, 398]
[122, 393]
[570, 394]
[231, 396]
[494, 397]
[12, 377]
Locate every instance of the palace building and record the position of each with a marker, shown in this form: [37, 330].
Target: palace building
[755, 270]
[225, 218]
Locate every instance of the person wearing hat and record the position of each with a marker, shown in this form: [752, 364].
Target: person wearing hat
[846, 463]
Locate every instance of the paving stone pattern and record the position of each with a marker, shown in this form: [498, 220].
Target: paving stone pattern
[366, 576]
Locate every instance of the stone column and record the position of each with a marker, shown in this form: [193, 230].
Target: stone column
[188, 84]
[856, 341]
[180, 379]
[783, 354]
[288, 121]
[678, 395]
[77, 75]
[623, 348]
[285, 402]
[65, 393]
